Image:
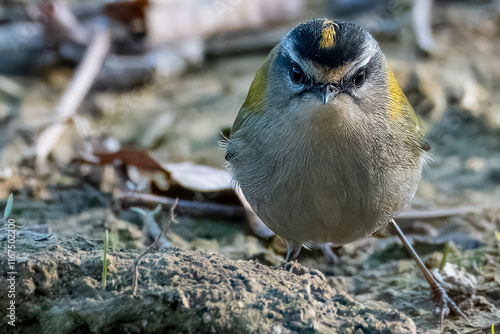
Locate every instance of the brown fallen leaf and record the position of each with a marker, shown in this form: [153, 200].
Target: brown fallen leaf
[129, 13]
[137, 158]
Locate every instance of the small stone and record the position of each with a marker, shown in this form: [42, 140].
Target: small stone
[476, 164]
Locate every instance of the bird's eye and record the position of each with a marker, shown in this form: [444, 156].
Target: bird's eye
[297, 75]
[359, 78]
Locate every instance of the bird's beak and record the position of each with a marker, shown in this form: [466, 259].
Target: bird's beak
[328, 93]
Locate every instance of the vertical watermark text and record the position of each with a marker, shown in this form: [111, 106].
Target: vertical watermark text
[11, 270]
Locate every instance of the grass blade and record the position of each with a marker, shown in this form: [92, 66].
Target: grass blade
[105, 260]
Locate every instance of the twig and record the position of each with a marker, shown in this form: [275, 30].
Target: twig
[150, 226]
[438, 213]
[85, 74]
[422, 24]
[61, 25]
[138, 258]
[258, 39]
[200, 209]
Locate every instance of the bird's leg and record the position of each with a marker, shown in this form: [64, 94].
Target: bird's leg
[443, 303]
[292, 250]
[330, 256]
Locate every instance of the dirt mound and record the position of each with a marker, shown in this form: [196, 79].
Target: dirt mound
[58, 290]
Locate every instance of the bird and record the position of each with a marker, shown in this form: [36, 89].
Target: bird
[326, 147]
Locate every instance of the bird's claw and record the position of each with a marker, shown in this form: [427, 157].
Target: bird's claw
[443, 305]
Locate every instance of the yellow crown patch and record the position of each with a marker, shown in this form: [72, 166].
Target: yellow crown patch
[328, 35]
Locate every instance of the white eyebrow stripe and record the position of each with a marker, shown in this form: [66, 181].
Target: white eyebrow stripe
[368, 53]
[363, 62]
[359, 64]
[365, 58]
[290, 51]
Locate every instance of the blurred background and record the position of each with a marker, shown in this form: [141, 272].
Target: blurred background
[109, 105]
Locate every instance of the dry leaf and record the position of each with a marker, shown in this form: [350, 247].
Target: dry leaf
[128, 13]
[139, 159]
[199, 178]
[456, 279]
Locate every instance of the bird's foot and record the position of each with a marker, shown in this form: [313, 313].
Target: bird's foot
[330, 257]
[443, 305]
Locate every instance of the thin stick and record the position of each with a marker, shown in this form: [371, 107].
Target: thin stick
[84, 76]
[152, 229]
[85, 73]
[138, 258]
[203, 209]
[439, 213]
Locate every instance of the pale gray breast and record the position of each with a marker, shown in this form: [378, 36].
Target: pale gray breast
[311, 188]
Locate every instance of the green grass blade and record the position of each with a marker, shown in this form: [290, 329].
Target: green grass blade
[105, 260]
[8, 207]
[445, 255]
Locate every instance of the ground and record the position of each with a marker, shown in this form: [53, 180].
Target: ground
[374, 285]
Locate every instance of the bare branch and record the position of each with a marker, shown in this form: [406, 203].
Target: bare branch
[138, 258]
[200, 209]
[85, 75]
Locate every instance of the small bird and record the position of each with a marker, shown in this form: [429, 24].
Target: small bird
[326, 148]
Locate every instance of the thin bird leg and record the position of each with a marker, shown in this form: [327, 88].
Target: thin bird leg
[443, 304]
[293, 249]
